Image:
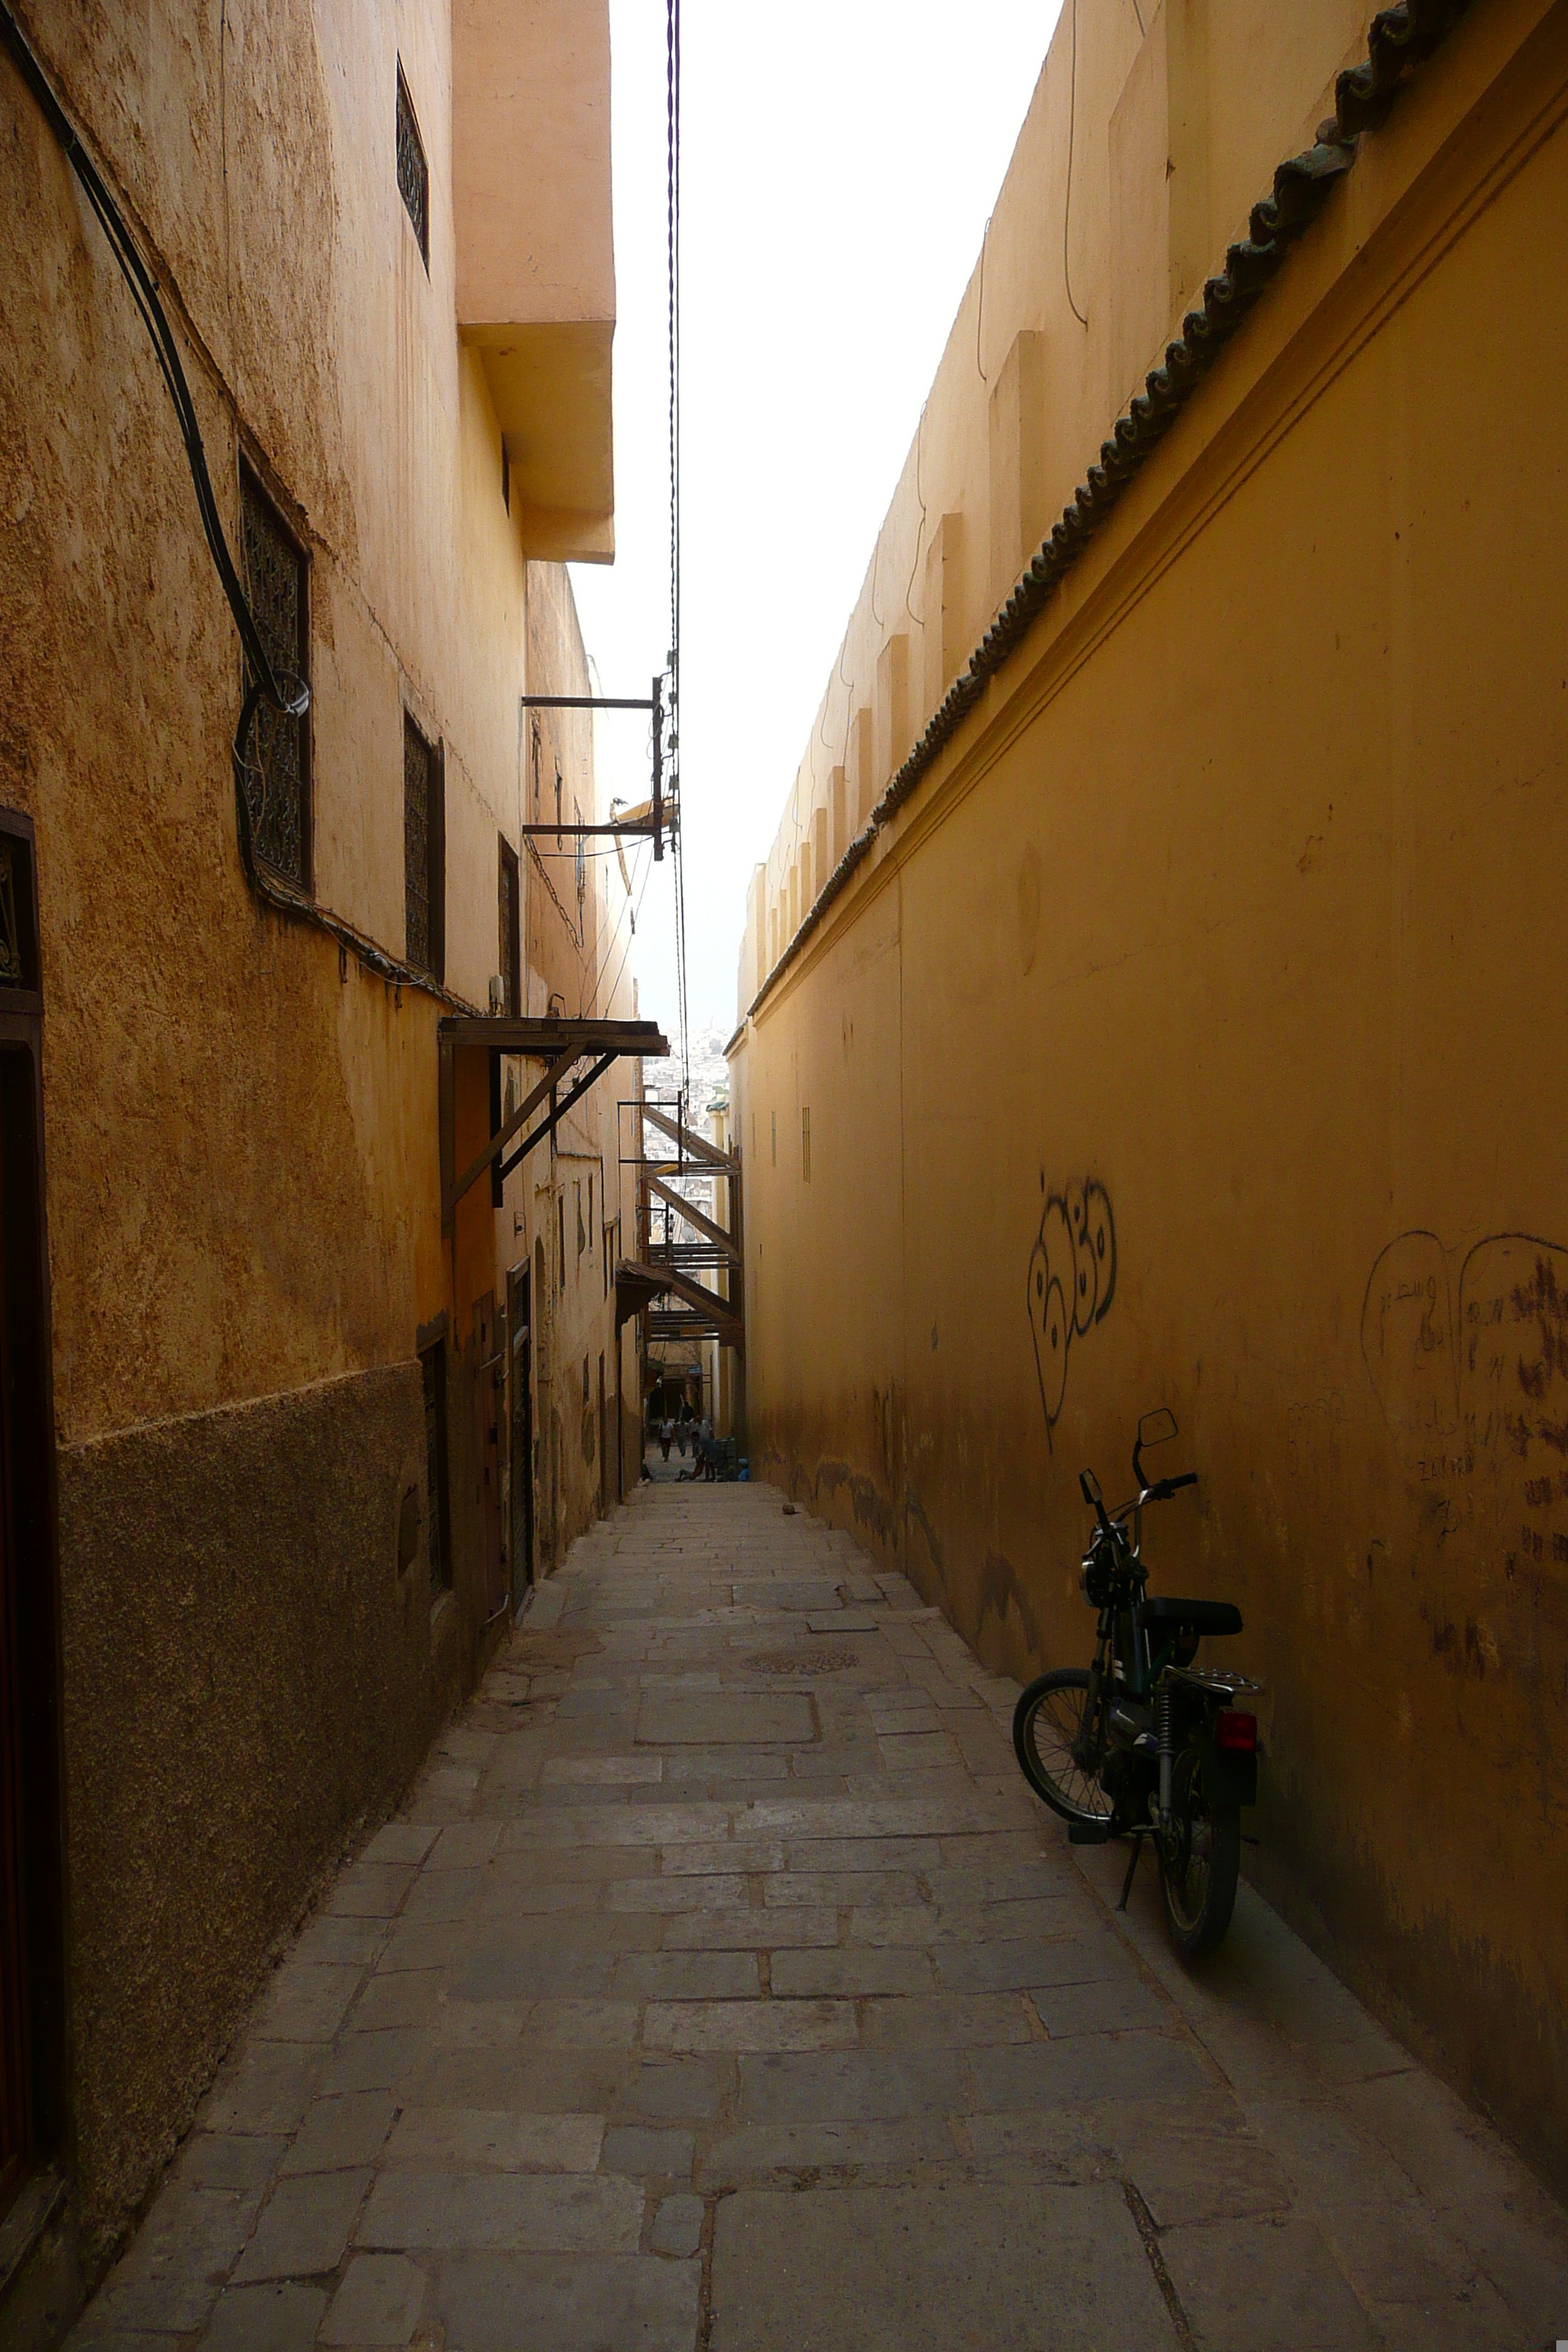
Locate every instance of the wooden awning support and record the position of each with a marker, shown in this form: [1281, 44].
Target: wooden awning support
[693, 1145]
[694, 1217]
[561, 1045]
[656, 1274]
[637, 1286]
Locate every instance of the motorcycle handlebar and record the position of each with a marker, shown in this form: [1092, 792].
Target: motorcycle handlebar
[1160, 1492]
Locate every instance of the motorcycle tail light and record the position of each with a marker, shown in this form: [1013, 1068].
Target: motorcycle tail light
[1236, 1731]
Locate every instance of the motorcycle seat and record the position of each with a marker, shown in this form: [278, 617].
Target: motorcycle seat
[1165, 1610]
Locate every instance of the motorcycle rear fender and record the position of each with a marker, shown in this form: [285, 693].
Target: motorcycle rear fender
[1230, 1779]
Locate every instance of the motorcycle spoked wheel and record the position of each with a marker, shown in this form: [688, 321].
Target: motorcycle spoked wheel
[1200, 1861]
[1047, 1723]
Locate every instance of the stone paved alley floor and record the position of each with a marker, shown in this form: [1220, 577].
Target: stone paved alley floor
[720, 1985]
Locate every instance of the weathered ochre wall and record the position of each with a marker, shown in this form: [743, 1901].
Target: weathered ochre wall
[1220, 934]
[235, 1615]
[240, 1123]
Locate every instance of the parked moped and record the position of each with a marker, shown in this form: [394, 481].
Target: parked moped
[1146, 1744]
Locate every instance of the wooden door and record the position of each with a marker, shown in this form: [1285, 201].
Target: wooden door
[520, 1432]
[15, 2135]
[603, 1442]
[490, 1377]
[33, 2118]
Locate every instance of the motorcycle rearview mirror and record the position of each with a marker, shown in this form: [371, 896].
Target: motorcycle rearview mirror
[1088, 1486]
[1156, 1428]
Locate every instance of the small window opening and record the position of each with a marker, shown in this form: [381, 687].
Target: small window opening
[585, 1382]
[412, 171]
[577, 1204]
[805, 1147]
[560, 1233]
[509, 942]
[278, 770]
[424, 862]
[505, 476]
[19, 931]
[590, 1215]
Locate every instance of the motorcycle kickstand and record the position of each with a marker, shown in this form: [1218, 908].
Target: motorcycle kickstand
[1138, 1837]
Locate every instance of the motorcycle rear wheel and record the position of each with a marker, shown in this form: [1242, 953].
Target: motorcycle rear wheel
[1199, 1862]
[1047, 1722]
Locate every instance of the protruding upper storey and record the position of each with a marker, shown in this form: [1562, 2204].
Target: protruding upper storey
[536, 273]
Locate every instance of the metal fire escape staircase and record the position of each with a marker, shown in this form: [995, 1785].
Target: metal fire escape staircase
[669, 1262]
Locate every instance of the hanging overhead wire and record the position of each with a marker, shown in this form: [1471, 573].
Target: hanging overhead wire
[672, 236]
[634, 911]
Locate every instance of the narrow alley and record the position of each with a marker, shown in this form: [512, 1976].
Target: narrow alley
[720, 1985]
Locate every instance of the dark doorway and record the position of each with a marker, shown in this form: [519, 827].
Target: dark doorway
[520, 1432]
[489, 1377]
[32, 2015]
[604, 1443]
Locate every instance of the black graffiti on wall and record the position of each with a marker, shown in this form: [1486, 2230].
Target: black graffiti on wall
[1072, 1282]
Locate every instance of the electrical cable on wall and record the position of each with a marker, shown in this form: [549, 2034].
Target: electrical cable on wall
[1067, 200]
[589, 999]
[631, 933]
[285, 692]
[920, 535]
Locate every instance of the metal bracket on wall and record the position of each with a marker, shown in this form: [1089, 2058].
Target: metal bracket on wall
[561, 1046]
[638, 827]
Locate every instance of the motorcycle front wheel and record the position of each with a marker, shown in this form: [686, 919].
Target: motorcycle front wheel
[1046, 1724]
[1199, 1860]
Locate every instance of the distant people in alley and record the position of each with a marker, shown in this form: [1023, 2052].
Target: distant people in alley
[666, 1432]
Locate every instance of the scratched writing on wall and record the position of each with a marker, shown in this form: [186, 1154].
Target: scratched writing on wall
[1072, 1282]
[1470, 1368]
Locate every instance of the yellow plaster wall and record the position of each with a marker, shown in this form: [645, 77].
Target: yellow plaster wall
[240, 1124]
[1223, 930]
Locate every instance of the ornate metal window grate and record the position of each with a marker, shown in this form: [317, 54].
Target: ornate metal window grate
[10, 929]
[419, 809]
[412, 171]
[509, 911]
[276, 776]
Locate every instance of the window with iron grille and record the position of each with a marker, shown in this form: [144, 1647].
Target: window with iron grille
[278, 771]
[424, 861]
[510, 941]
[412, 171]
[433, 1370]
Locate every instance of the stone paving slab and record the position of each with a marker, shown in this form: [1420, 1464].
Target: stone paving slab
[694, 2006]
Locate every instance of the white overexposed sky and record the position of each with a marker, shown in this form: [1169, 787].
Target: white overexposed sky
[839, 162]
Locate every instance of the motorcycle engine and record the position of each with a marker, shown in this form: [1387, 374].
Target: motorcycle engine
[1126, 1779]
